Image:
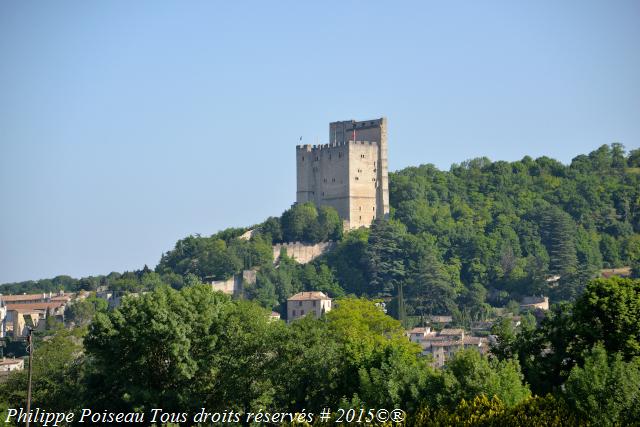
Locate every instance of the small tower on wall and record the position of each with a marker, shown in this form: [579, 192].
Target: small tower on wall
[350, 173]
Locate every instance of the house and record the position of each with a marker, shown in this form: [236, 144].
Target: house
[442, 345]
[9, 365]
[419, 334]
[114, 298]
[535, 303]
[305, 303]
[274, 316]
[21, 316]
[18, 322]
[3, 318]
[27, 298]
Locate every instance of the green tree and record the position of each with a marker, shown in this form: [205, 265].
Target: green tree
[384, 256]
[57, 374]
[606, 390]
[158, 350]
[469, 374]
[609, 312]
[81, 312]
[300, 223]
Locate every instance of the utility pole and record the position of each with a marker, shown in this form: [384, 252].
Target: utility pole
[30, 347]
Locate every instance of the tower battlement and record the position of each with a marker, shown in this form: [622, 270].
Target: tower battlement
[309, 147]
[349, 173]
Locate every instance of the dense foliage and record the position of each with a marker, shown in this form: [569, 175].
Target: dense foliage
[192, 348]
[199, 348]
[481, 235]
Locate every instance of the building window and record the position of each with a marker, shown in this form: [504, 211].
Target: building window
[333, 180]
[373, 208]
[293, 313]
[339, 154]
[360, 208]
[303, 158]
[301, 312]
[360, 217]
[299, 303]
[314, 303]
[356, 178]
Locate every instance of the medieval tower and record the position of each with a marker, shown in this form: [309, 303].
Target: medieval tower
[348, 174]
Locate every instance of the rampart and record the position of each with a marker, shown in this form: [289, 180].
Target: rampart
[302, 252]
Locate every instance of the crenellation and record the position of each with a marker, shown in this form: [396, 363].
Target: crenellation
[349, 174]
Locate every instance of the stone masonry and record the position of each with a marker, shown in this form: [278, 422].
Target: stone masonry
[348, 174]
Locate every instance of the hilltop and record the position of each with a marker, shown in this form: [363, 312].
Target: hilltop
[461, 241]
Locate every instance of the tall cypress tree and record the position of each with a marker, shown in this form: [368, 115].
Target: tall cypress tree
[558, 235]
[384, 258]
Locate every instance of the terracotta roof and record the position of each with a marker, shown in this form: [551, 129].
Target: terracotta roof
[473, 340]
[308, 296]
[35, 306]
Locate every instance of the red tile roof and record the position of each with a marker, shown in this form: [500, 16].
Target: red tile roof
[28, 297]
[308, 296]
[35, 306]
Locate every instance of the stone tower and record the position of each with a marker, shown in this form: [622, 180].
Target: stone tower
[348, 174]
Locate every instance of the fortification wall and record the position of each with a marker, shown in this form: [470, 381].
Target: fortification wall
[302, 252]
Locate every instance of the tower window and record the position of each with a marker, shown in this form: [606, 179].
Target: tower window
[333, 180]
[356, 178]
[303, 158]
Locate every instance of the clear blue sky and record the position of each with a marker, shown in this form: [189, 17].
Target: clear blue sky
[125, 126]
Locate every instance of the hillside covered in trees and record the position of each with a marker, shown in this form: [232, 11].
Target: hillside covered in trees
[460, 241]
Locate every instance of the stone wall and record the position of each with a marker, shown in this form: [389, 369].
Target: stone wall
[234, 284]
[348, 174]
[302, 252]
